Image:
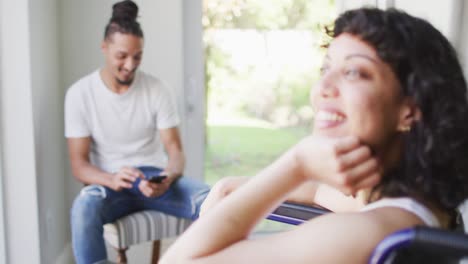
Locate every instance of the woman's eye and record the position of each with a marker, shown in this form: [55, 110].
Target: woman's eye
[354, 74]
[323, 70]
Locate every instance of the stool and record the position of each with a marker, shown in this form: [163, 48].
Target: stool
[141, 227]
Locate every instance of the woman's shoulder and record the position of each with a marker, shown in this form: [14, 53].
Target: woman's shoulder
[411, 205]
[377, 222]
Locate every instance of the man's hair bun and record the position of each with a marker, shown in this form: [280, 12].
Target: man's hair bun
[125, 10]
[123, 20]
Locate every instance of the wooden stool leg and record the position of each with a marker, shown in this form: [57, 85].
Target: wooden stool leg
[121, 256]
[156, 248]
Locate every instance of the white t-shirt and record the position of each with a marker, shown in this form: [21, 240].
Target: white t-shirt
[408, 204]
[123, 127]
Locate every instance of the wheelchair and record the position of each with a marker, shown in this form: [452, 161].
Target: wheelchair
[425, 245]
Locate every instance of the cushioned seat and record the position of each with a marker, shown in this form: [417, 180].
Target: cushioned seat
[142, 227]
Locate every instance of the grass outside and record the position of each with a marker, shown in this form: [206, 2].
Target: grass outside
[243, 151]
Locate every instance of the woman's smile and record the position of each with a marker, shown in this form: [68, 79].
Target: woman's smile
[327, 118]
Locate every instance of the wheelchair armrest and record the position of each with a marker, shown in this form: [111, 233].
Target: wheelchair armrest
[295, 214]
[421, 245]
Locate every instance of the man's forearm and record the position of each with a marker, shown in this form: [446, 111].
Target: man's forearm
[176, 163]
[87, 173]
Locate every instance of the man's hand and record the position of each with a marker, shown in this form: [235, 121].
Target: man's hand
[344, 163]
[150, 189]
[124, 178]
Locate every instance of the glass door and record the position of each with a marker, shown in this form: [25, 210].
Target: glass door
[261, 59]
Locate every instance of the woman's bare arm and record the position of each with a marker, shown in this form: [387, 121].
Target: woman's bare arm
[309, 193]
[231, 221]
[332, 238]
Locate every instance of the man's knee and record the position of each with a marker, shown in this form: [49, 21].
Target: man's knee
[88, 205]
[198, 191]
[200, 196]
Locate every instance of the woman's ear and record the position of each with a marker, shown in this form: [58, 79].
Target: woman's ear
[409, 113]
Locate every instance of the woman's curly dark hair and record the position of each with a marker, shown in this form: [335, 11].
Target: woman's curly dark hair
[123, 20]
[434, 167]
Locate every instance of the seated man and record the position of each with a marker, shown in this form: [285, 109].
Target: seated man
[112, 120]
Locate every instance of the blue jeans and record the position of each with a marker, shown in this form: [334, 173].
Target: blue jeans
[97, 205]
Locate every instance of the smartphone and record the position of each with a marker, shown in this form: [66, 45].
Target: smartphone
[157, 178]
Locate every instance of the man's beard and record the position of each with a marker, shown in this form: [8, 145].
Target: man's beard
[127, 82]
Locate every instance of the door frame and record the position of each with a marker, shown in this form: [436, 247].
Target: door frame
[194, 89]
[3, 256]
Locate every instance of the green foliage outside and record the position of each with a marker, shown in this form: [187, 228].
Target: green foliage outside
[262, 58]
[267, 14]
[243, 151]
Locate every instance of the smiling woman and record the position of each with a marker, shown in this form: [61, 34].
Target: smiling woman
[391, 110]
[358, 94]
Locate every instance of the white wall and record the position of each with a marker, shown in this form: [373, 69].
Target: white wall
[47, 95]
[450, 17]
[33, 146]
[17, 136]
[444, 15]
[2, 215]
[462, 40]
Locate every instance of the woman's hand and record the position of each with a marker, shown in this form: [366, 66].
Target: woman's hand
[343, 163]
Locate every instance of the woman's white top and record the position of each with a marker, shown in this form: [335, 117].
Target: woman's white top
[409, 205]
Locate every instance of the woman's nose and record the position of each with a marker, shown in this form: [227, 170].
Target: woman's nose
[328, 86]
